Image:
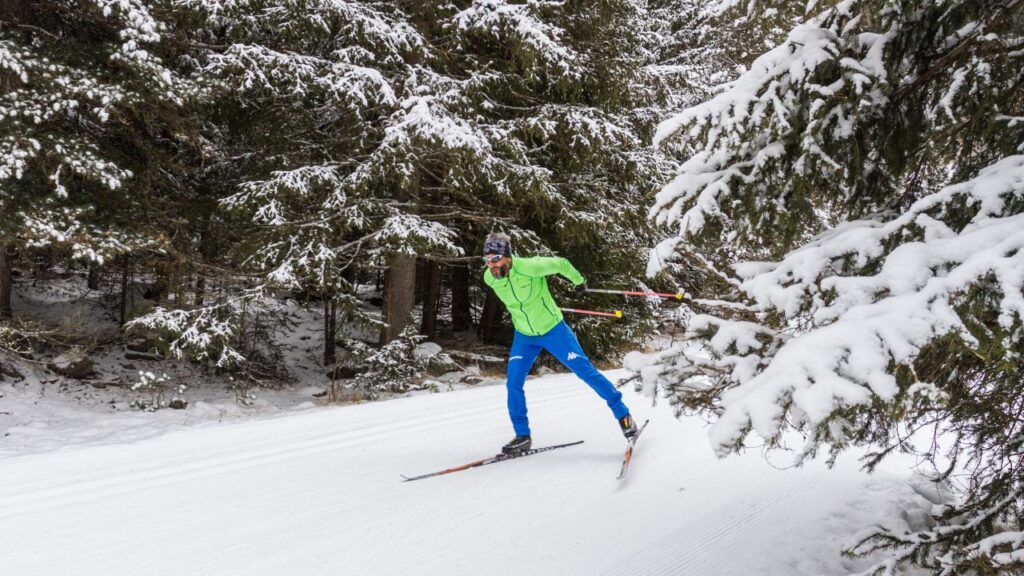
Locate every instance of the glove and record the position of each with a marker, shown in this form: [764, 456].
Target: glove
[581, 289]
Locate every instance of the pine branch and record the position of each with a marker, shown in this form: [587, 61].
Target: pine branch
[946, 60]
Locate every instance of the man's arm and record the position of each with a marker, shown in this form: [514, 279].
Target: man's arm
[546, 266]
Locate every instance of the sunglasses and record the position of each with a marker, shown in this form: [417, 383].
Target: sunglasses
[492, 259]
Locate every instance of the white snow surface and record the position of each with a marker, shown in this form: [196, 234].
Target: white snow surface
[318, 491]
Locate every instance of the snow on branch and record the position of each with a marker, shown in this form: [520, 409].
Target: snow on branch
[586, 129]
[56, 121]
[522, 28]
[141, 29]
[256, 68]
[362, 33]
[268, 198]
[1002, 550]
[741, 136]
[413, 235]
[429, 125]
[863, 323]
[205, 334]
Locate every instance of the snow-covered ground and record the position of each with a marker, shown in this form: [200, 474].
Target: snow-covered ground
[317, 491]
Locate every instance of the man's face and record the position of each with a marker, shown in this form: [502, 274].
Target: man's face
[498, 264]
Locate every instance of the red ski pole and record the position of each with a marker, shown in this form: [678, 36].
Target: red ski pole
[615, 314]
[677, 295]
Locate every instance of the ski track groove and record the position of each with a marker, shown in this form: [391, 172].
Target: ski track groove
[405, 529]
[22, 498]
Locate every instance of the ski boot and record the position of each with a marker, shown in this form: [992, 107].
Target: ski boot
[517, 445]
[628, 426]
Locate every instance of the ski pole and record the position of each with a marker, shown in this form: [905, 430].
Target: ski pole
[677, 295]
[615, 314]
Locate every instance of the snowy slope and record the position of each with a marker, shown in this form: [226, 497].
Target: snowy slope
[319, 492]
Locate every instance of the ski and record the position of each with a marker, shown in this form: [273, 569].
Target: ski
[629, 450]
[491, 460]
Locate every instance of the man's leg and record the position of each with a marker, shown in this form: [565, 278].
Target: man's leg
[561, 342]
[521, 357]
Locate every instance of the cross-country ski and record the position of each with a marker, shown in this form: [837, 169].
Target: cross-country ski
[491, 460]
[630, 445]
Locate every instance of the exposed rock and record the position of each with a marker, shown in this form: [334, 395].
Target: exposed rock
[10, 373]
[73, 364]
[437, 362]
[441, 364]
[426, 350]
[138, 344]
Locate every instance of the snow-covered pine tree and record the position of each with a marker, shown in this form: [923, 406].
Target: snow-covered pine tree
[391, 369]
[296, 92]
[870, 172]
[84, 88]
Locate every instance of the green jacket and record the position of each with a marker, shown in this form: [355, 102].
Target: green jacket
[525, 292]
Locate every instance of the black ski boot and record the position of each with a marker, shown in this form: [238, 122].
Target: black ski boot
[517, 445]
[628, 426]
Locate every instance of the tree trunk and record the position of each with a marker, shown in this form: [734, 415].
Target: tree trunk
[207, 252]
[462, 317]
[399, 295]
[6, 262]
[432, 293]
[92, 282]
[422, 280]
[330, 330]
[490, 318]
[158, 290]
[125, 263]
[200, 289]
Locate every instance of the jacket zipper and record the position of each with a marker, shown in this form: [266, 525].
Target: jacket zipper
[521, 310]
[548, 309]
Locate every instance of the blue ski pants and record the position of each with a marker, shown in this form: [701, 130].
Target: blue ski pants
[561, 343]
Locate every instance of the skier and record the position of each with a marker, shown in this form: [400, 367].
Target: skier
[521, 284]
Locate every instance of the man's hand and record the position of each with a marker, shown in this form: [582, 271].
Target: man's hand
[581, 289]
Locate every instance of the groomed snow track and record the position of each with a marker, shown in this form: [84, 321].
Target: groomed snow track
[320, 493]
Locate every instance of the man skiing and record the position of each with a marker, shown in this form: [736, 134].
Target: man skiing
[521, 284]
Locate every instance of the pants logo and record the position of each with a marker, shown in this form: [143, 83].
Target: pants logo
[515, 358]
[572, 356]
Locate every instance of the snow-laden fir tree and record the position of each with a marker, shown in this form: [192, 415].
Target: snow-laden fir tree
[394, 368]
[297, 93]
[859, 191]
[84, 89]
